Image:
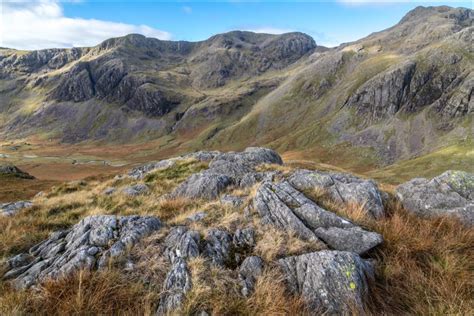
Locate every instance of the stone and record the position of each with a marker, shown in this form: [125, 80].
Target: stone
[244, 238]
[281, 205]
[182, 243]
[225, 169]
[10, 209]
[90, 244]
[450, 194]
[204, 185]
[140, 172]
[342, 188]
[176, 285]
[352, 239]
[331, 282]
[10, 170]
[136, 190]
[218, 247]
[250, 269]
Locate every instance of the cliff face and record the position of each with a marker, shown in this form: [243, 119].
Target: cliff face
[401, 92]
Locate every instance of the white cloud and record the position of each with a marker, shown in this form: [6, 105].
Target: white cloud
[268, 30]
[42, 24]
[187, 10]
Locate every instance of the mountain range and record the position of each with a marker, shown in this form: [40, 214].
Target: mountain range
[394, 95]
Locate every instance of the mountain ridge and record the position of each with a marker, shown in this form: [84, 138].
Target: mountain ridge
[241, 88]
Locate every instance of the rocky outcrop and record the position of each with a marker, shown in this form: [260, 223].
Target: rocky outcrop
[250, 269]
[10, 170]
[331, 282]
[224, 170]
[342, 188]
[182, 243]
[285, 207]
[177, 284]
[451, 194]
[218, 247]
[140, 172]
[10, 209]
[91, 244]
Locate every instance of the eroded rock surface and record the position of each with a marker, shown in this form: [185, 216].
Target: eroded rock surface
[90, 244]
[281, 205]
[135, 190]
[451, 193]
[177, 284]
[224, 170]
[331, 282]
[183, 243]
[10, 209]
[342, 188]
[250, 269]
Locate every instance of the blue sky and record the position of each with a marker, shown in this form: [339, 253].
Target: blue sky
[51, 23]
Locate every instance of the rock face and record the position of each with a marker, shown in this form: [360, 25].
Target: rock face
[10, 209]
[285, 207]
[177, 284]
[90, 244]
[451, 193]
[218, 247]
[10, 170]
[342, 188]
[224, 170]
[250, 269]
[182, 243]
[331, 282]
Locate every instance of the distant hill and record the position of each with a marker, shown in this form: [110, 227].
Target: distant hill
[394, 95]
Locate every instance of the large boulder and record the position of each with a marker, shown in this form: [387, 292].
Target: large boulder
[91, 244]
[141, 171]
[10, 209]
[331, 282]
[281, 205]
[342, 188]
[451, 193]
[10, 170]
[205, 184]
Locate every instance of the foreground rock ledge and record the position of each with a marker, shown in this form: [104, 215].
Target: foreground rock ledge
[331, 282]
[89, 245]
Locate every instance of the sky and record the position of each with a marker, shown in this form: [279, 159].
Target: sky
[38, 24]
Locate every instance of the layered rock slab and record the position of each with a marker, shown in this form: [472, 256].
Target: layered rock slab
[343, 188]
[451, 194]
[10, 209]
[281, 205]
[331, 282]
[90, 244]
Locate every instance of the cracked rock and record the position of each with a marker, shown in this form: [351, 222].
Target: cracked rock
[331, 282]
[90, 244]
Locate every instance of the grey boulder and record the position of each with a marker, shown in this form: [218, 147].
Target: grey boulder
[451, 193]
[249, 271]
[331, 282]
[141, 171]
[10, 209]
[342, 188]
[281, 205]
[177, 284]
[182, 242]
[218, 247]
[206, 185]
[91, 244]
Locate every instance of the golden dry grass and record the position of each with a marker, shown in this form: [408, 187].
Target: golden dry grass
[423, 267]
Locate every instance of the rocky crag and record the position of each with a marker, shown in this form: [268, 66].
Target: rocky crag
[396, 94]
[333, 277]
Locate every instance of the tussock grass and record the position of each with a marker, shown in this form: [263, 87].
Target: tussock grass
[423, 267]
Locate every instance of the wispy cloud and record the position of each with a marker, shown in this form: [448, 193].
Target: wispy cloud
[42, 24]
[187, 9]
[268, 30]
